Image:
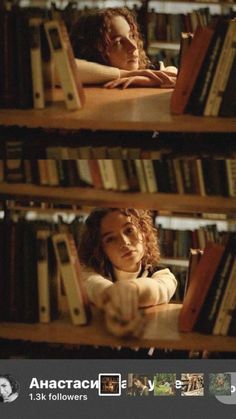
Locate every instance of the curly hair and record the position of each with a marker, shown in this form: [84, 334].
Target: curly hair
[90, 247]
[15, 386]
[90, 35]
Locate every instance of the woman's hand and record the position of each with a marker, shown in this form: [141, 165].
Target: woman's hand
[144, 78]
[121, 309]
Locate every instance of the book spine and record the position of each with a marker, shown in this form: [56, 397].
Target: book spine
[42, 274]
[150, 175]
[227, 304]
[36, 63]
[70, 279]
[63, 66]
[215, 294]
[221, 69]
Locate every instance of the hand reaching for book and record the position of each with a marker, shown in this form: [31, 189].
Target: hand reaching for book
[122, 315]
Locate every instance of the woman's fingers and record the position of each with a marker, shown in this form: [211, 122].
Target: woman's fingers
[134, 327]
[122, 301]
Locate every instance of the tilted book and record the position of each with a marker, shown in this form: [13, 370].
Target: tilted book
[190, 69]
[60, 46]
[199, 286]
[69, 265]
[35, 27]
[210, 308]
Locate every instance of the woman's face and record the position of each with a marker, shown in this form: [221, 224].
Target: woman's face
[123, 51]
[5, 387]
[122, 242]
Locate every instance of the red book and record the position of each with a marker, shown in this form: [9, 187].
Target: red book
[191, 66]
[199, 286]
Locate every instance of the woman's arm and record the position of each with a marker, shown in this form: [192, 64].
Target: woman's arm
[94, 73]
[157, 289]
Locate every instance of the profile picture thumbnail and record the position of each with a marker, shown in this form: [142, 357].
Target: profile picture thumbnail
[109, 384]
[192, 384]
[9, 388]
[164, 384]
[220, 384]
[138, 385]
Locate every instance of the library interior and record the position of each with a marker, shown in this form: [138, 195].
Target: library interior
[118, 179]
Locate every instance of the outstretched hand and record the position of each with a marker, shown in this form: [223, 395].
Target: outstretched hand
[144, 78]
[120, 302]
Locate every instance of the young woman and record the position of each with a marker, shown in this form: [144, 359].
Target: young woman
[109, 49]
[120, 254]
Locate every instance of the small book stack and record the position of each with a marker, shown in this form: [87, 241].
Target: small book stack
[210, 302]
[206, 84]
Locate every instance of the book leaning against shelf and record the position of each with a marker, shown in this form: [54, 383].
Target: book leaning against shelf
[210, 302]
[69, 265]
[207, 74]
[63, 57]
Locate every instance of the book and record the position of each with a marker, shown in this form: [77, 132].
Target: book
[194, 258]
[191, 67]
[228, 104]
[199, 286]
[29, 283]
[141, 175]
[202, 84]
[115, 153]
[23, 62]
[68, 261]
[8, 67]
[222, 71]
[42, 237]
[65, 65]
[231, 176]
[35, 28]
[209, 310]
[149, 175]
[228, 303]
[185, 41]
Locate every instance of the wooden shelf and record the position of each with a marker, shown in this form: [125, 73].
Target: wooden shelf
[94, 197]
[161, 332]
[133, 109]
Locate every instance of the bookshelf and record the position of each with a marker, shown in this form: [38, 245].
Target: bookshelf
[134, 110]
[161, 332]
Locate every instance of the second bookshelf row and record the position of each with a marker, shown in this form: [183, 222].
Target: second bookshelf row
[202, 177]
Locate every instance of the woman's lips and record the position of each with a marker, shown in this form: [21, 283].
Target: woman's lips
[128, 254]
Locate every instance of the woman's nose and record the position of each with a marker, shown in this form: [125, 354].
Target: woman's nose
[131, 45]
[124, 241]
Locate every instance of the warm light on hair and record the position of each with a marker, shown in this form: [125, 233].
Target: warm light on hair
[90, 35]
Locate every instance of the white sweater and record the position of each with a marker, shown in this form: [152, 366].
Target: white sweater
[155, 289]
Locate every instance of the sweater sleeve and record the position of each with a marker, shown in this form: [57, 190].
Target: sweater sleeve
[95, 284]
[157, 289]
[94, 73]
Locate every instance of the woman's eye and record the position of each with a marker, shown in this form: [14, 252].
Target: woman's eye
[130, 230]
[109, 239]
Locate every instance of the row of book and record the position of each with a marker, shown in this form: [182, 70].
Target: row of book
[203, 177]
[35, 258]
[210, 302]
[38, 143]
[168, 27]
[176, 243]
[29, 47]
[206, 84]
